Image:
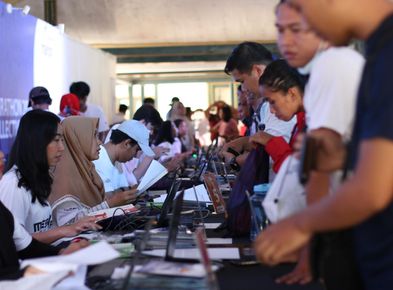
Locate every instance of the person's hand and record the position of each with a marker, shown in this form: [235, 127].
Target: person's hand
[174, 163]
[159, 151]
[73, 247]
[260, 138]
[31, 271]
[227, 157]
[224, 150]
[280, 242]
[123, 196]
[84, 224]
[331, 153]
[302, 273]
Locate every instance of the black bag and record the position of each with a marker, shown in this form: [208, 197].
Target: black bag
[254, 171]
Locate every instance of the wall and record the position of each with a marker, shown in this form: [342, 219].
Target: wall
[34, 53]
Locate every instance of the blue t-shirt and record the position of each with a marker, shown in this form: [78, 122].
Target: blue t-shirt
[374, 119]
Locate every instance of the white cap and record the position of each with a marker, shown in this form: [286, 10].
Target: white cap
[137, 131]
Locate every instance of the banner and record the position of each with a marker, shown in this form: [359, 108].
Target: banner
[16, 76]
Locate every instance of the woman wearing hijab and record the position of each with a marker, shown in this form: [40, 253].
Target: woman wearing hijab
[77, 188]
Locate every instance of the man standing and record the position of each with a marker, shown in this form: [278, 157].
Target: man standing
[246, 65]
[82, 91]
[365, 200]
[39, 98]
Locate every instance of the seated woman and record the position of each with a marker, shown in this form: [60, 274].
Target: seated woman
[77, 188]
[166, 138]
[283, 88]
[16, 243]
[25, 187]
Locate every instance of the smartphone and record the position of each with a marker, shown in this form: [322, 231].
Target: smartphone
[307, 158]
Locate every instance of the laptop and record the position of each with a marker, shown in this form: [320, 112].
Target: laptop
[166, 207]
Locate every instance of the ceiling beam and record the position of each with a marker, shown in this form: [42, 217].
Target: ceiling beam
[176, 53]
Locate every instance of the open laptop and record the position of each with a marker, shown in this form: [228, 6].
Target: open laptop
[166, 207]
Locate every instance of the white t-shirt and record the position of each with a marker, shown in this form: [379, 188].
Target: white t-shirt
[97, 112]
[331, 92]
[21, 237]
[174, 148]
[275, 126]
[34, 217]
[112, 176]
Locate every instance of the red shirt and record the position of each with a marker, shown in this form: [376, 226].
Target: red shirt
[279, 149]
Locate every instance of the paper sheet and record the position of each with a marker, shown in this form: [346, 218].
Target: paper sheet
[214, 253]
[201, 192]
[212, 226]
[173, 269]
[219, 241]
[95, 254]
[75, 281]
[42, 282]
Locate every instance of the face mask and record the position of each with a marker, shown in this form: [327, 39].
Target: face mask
[306, 70]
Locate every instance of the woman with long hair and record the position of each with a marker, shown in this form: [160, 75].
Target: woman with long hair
[27, 183]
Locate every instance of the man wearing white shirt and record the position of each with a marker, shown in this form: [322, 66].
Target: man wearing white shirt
[125, 141]
[82, 90]
[246, 65]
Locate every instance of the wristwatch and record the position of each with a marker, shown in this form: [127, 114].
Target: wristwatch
[233, 164]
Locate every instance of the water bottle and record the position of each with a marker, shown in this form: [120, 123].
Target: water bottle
[259, 219]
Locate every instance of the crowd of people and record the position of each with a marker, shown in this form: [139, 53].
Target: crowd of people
[63, 167]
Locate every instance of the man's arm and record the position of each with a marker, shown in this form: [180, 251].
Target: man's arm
[368, 192]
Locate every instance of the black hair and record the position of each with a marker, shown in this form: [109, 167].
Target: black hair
[37, 128]
[239, 88]
[80, 89]
[165, 134]
[175, 99]
[245, 55]
[149, 114]
[226, 113]
[149, 101]
[287, 3]
[177, 122]
[279, 76]
[123, 108]
[118, 136]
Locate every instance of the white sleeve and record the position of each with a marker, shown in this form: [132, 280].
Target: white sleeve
[21, 237]
[176, 146]
[331, 94]
[275, 126]
[103, 173]
[16, 199]
[69, 210]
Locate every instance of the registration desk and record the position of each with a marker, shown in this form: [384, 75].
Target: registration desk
[230, 276]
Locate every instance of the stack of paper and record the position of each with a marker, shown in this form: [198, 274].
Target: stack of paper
[57, 267]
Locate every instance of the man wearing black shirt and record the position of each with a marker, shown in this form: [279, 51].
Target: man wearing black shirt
[364, 202]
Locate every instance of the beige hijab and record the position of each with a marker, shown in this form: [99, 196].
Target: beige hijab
[75, 174]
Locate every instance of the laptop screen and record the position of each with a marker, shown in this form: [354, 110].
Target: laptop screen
[167, 203]
[174, 226]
